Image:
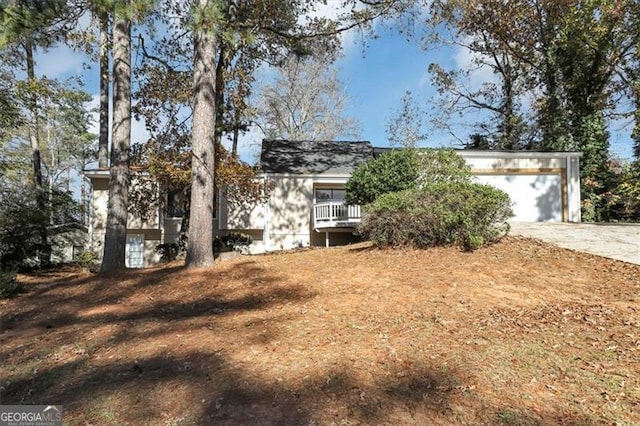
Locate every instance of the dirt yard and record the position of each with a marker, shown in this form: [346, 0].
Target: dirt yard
[517, 333]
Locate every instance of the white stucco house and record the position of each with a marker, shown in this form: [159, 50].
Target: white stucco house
[306, 206]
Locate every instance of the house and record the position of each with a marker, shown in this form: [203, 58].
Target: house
[67, 242]
[306, 205]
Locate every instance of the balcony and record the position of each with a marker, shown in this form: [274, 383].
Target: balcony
[335, 214]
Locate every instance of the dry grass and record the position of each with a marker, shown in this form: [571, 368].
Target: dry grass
[517, 333]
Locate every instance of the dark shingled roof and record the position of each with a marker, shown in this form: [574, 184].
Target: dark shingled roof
[313, 157]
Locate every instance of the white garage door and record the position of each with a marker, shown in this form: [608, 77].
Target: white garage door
[536, 197]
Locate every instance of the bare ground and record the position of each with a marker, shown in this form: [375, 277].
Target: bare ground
[517, 333]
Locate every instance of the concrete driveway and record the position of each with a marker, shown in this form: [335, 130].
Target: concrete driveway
[616, 241]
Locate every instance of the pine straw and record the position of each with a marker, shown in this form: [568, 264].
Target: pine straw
[520, 332]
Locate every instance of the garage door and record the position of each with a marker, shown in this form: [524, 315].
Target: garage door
[536, 197]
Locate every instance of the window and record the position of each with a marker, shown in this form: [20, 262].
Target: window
[76, 250]
[175, 203]
[330, 194]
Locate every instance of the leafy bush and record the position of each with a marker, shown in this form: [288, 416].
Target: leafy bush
[398, 170]
[233, 240]
[393, 171]
[448, 213]
[88, 260]
[22, 223]
[9, 285]
[442, 165]
[168, 251]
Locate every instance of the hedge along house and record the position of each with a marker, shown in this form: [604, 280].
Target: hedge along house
[306, 205]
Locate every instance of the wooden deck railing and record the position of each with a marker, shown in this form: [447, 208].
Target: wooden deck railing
[335, 214]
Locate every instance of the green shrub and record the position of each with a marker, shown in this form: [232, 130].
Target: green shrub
[442, 165]
[168, 251]
[233, 240]
[393, 171]
[402, 169]
[87, 260]
[9, 285]
[440, 214]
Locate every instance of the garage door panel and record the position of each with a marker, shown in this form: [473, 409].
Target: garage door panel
[535, 197]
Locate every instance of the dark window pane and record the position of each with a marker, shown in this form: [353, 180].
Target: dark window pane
[323, 195]
[175, 203]
[338, 194]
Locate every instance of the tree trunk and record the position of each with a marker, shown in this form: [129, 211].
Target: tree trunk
[36, 156]
[103, 137]
[116, 231]
[200, 244]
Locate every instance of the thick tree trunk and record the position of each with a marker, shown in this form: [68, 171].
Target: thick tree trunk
[103, 137]
[200, 244]
[36, 156]
[116, 231]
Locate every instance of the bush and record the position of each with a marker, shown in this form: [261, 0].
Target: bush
[233, 240]
[442, 165]
[404, 169]
[440, 214]
[168, 252]
[9, 285]
[88, 260]
[393, 171]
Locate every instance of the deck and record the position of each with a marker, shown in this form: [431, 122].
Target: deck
[335, 214]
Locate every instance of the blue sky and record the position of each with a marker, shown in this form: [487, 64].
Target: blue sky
[375, 75]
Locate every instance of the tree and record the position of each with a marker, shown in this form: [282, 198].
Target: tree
[200, 245]
[117, 210]
[404, 127]
[541, 51]
[306, 101]
[496, 101]
[103, 135]
[25, 27]
[228, 41]
[10, 115]
[273, 28]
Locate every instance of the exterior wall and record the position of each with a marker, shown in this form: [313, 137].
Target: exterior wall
[288, 213]
[241, 216]
[64, 242]
[150, 228]
[285, 221]
[551, 178]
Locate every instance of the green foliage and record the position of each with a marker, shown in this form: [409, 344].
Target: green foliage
[402, 169]
[21, 221]
[466, 214]
[88, 260]
[621, 200]
[442, 165]
[233, 240]
[9, 285]
[169, 251]
[393, 171]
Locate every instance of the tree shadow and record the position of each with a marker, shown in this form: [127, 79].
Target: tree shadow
[103, 301]
[202, 387]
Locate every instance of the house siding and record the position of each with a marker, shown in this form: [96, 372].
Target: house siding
[285, 219]
[136, 225]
